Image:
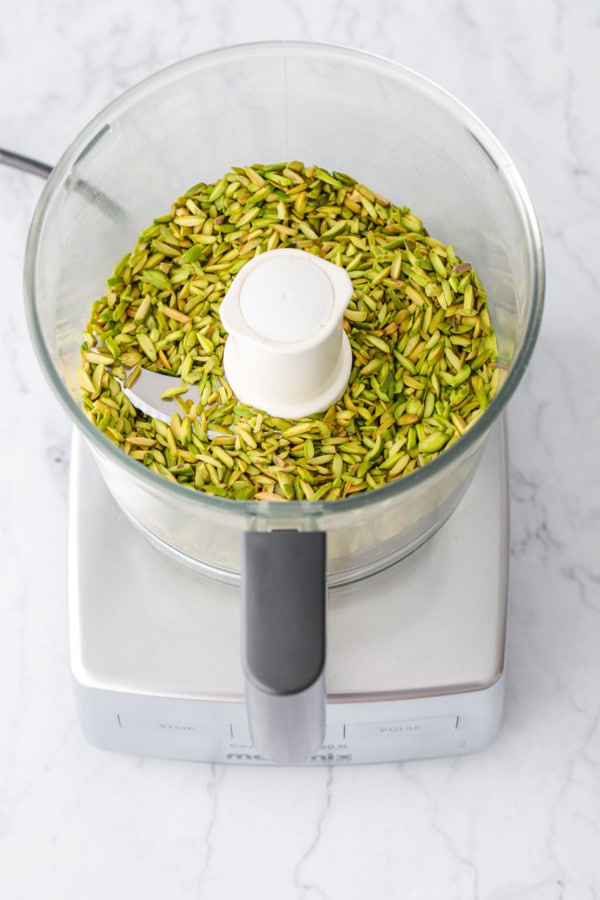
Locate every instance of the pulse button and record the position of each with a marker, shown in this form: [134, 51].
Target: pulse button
[406, 728]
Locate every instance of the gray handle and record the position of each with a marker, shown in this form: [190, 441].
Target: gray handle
[284, 596]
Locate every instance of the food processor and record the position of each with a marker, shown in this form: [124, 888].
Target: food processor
[364, 629]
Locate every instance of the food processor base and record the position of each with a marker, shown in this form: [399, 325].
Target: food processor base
[415, 659]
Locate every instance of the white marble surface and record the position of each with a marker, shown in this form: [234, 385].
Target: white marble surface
[519, 820]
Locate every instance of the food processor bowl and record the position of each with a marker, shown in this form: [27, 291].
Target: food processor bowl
[344, 110]
[348, 110]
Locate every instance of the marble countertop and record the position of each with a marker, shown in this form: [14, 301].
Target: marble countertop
[518, 820]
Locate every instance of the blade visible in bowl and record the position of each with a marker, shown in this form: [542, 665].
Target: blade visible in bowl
[147, 390]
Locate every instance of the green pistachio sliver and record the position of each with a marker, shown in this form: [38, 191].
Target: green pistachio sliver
[193, 253]
[433, 442]
[468, 300]
[85, 382]
[461, 376]
[172, 392]
[327, 178]
[218, 190]
[378, 343]
[147, 346]
[156, 278]
[437, 264]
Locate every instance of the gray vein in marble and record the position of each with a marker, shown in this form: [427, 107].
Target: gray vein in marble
[465, 861]
[296, 13]
[585, 264]
[525, 491]
[586, 583]
[555, 844]
[187, 16]
[13, 356]
[217, 774]
[409, 772]
[57, 448]
[462, 860]
[464, 16]
[573, 127]
[311, 889]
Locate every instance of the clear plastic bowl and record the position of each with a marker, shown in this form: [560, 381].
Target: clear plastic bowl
[342, 109]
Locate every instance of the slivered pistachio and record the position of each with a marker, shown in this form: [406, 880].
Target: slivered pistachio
[434, 442]
[156, 278]
[424, 350]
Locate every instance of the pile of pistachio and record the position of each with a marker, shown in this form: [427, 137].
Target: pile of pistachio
[424, 350]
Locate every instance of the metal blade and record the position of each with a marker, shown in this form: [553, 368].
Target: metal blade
[145, 394]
